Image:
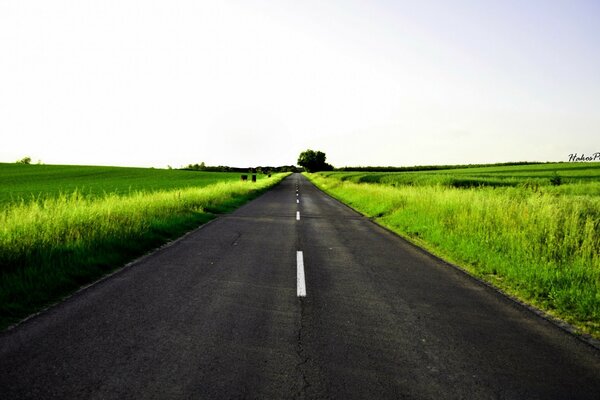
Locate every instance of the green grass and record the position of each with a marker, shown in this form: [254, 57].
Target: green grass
[51, 243]
[534, 175]
[30, 182]
[534, 240]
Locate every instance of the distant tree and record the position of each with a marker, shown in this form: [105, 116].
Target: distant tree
[25, 160]
[314, 161]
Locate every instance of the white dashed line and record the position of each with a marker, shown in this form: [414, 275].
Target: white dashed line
[297, 215]
[300, 274]
[297, 201]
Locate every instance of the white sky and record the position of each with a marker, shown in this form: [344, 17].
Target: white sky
[246, 83]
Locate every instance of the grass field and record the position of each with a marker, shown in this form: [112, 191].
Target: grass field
[511, 226]
[585, 175]
[67, 226]
[29, 182]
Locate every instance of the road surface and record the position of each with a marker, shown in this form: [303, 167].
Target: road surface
[217, 315]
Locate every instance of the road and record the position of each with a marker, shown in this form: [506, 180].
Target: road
[216, 315]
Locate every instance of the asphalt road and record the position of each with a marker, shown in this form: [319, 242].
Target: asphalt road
[216, 315]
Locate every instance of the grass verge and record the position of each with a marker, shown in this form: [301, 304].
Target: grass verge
[50, 248]
[539, 246]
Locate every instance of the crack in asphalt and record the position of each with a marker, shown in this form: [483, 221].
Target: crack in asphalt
[302, 355]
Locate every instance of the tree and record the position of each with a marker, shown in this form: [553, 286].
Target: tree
[25, 160]
[313, 161]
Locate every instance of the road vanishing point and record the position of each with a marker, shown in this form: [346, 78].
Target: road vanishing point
[294, 295]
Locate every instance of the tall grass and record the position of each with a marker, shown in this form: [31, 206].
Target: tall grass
[537, 175]
[541, 245]
[37, 182]
[52, 246]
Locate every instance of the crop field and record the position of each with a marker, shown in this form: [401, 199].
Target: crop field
[30, 182]
[63, 227]
[531, 230]
[586, 176]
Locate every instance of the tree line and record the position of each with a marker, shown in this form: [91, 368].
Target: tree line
[224, 168]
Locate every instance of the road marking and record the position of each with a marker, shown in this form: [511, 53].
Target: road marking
[300, 274]
[297, 215]
[296, 194]
[297, 201]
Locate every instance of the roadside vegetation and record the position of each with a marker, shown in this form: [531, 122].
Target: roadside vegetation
[21, 182]
[531, 230]
[53, 241]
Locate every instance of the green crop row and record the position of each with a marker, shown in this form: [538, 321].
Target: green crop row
[37, 182]
[51, 247]
[549, 177]
[541, 245]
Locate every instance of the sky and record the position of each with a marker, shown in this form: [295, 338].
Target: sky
[245, 83]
